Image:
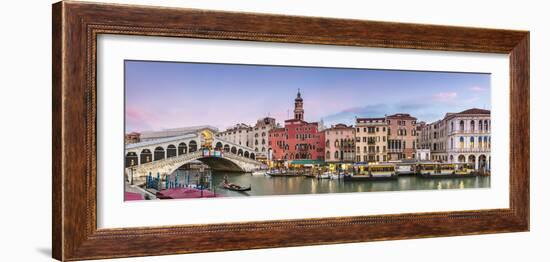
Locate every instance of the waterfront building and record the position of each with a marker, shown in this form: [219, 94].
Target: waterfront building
[463, 137]
[401, 136]
[423, 154]
[240, 134]
[339, 145]
[298, 139]
[469, 137]
[131, 138]
[437, 140]
[371, 138]
[260, 134]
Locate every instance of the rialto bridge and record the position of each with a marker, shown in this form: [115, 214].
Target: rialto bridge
[165, 155]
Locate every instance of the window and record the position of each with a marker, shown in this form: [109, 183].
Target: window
[461, 126]
[472, 126]
[471, 142]
[480, 126]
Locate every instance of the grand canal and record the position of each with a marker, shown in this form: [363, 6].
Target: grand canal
[266, 185]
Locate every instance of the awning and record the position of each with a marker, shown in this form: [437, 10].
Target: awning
[307, 162]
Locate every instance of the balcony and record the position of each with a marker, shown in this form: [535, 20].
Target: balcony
[468, 132]
[470, 150]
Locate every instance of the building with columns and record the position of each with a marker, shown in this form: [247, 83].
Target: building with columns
[371, 138]
[463, 137]
[298, 139]
[340, 144]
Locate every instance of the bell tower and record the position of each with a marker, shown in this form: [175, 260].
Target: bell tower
[299, 107]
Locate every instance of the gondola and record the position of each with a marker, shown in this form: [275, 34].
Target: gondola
[234, 187]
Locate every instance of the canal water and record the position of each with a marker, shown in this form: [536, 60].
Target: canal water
[266, 185]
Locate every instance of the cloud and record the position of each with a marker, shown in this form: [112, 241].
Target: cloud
[445, 96]
[471, 99]
[477, 89]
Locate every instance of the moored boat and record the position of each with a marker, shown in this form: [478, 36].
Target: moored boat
[382, 170]
[259, 173]
[234, 187]
[426, 168]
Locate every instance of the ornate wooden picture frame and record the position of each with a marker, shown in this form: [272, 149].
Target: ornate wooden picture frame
[76, 26]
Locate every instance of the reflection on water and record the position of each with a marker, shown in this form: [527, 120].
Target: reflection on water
[265, 185]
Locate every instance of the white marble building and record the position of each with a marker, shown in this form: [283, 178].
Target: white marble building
[463, 137]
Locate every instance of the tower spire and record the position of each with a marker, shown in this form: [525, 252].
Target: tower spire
[299, 106]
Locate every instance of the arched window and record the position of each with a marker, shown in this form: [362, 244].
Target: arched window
[328, 155]
[472, 126]
[192, 146]
[159, 153]
[461, 125]
[145, 156]
[485, 142]
[336, 155]
[480, 126]
[182, 149]
[461, 143]
[327, 144]
[336, 144]
[263, 141]
[480, 142]
[219, 146]
[263, 134]
[452, 126]
[171, 151]
[486, 125]
[226, 148]
[452, 143]
[471, 142]
[131, 159]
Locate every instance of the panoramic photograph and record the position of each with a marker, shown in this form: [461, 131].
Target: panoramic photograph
[208, 130]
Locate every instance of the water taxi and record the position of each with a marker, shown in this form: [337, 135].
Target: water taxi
[445, 169]
[382, 170]
[464, 169]
[426, 168]
[374, 171]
